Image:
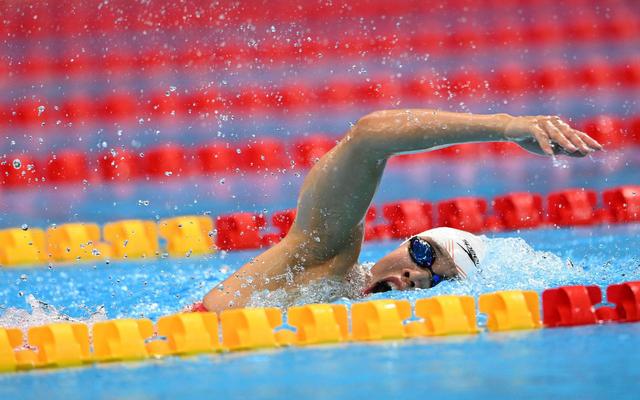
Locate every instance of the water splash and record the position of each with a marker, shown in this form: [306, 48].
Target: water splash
[510, 264]
[43, 313]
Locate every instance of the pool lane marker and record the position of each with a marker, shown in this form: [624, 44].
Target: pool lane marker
[188, 236]
[62, 345]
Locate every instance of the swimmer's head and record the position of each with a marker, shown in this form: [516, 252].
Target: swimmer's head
[426, 259]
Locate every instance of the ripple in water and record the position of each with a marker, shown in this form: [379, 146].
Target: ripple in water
[510, 264]
[43, 313]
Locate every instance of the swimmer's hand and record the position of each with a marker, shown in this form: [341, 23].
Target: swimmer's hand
[549, 135]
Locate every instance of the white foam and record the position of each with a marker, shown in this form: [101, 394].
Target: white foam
[43, 313]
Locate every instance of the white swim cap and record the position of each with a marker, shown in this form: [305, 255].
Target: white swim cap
[466, 249]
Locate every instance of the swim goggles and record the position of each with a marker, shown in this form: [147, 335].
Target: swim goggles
[423, 254]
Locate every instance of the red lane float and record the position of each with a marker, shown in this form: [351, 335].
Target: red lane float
[570, 306]
[282, 221]
[380, 91]
[307, 151]
[622, 204]
[18, 170]
[67, 166]
[408, 217]
[167, 161]
[466, 213]
[265, 154]
[119, 166]
[239, 231]
[217, 157]
[572, 207]
[606, 130]
[519, 210]
[626, 297]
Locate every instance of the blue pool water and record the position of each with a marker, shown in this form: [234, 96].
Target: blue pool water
[581, 363]
[587, 362]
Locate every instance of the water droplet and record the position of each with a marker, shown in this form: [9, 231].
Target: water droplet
[40, 110]
[17, 163]
[24, 227]
[168, 173]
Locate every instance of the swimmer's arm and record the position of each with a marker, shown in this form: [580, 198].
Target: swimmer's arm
[396, 131]
[338, 190]
[327, 233]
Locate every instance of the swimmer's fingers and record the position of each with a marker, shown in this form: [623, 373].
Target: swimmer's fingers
[594, 144]
[560, 137]
[580, 139]
[543, 139]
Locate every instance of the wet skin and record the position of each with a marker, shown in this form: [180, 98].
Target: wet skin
[327, 234]
[397, 271]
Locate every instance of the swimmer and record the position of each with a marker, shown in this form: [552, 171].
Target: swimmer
[327, 234]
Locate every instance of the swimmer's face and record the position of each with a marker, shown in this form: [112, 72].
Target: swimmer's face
[397, 271]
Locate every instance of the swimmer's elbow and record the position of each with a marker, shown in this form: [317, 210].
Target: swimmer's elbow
[368, 131]
[369, 124]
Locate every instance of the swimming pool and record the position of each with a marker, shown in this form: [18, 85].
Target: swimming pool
[82, 79]
[575, 362]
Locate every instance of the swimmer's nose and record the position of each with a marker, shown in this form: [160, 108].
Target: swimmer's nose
[416, 278]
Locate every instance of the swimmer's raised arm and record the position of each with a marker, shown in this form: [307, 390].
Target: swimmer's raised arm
[326, 236]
